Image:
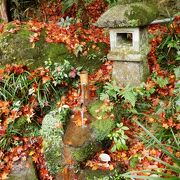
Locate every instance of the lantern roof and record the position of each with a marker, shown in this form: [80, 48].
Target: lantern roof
[128, 15]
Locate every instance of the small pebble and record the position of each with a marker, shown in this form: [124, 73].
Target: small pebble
[104, 157]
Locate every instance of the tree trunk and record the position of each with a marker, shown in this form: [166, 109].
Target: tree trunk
[3, 10]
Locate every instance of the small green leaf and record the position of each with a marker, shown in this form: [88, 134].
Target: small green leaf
[134, 161]
[177, 72]
[113, 149]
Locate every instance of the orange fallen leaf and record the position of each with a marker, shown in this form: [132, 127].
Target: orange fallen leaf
[45, 79]
[15, 158]
[95, 167]
[111, 167]
[4, 175]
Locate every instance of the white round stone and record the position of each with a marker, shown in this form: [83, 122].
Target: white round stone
[104, 157]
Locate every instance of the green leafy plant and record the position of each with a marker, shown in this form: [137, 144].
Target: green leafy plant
[26, 96]
[129, 94]
[19, 127]
[110, 91]
[113, 92]
[23, 9]
[15, 86]
[6, 140]
[66, 22]
[119, 138]
[63, 73]
[170, 136]
[162, 82]
[169, 50]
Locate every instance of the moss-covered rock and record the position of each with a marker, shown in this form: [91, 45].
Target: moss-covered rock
[102, 124]
[141, 14]
[128, 15]
[93, 107]
[52, 133]
[16, 48]
[133, 13]
[85, 152]
[61, 148]
[102, 128]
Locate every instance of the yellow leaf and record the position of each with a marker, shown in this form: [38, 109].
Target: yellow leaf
[33, 45]
[94, 167]
[111, 167]
[31, 153]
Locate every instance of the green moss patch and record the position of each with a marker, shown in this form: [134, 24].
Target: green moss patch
[88, 174]
[128, 15]
[93, 107]
[102, 125]
[83, 153]
[140, 14]
[102, 128]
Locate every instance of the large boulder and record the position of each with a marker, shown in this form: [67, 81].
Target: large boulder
[84, 142]
[16, 48]
[102, 124]
[69, 144]
[52, 133]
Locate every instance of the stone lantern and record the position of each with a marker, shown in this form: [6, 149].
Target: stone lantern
[128, 40]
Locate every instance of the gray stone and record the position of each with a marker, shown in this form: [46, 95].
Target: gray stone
[130, 61]
[104, 157]
[128, 73]
[79, 141]
[76, 136]
[128, 15]
[23, 170]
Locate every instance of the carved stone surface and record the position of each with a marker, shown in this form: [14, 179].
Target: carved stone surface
[130, 60]
[128, 15]
[128, 72]
[130, 66]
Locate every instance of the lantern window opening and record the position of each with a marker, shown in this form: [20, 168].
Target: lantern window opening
[124, 39]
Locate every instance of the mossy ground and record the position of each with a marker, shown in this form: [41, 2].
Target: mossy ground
[88, 174]
[16, 48]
